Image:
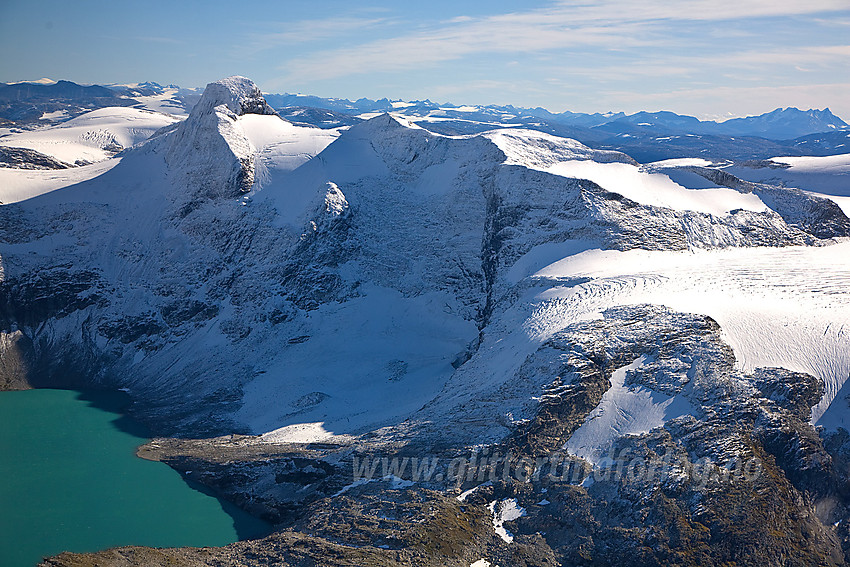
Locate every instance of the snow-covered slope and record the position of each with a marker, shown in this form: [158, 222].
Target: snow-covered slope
[772, 310]
[233, 250]
[384, 288]
[827, 176]
[165, 102]
[623, 411]
[93, 136]
[834, 165]
[21, 184]
[659, 190]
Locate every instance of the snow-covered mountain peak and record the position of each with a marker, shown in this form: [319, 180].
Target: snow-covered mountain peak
[300, 300]
[239, 94]
[383, 122]
[328, 206]
[211, 149]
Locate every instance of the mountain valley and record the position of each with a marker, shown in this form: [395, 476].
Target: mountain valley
[415, 334]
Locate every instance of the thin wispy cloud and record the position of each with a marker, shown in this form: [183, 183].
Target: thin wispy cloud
[305, 31]
[580, 55]
[458, 20]
[506, 88]
[746, 61]
[692, 10]
[607, 25]
[806, 55]
[498, 35]
[833, 22]
[161, 39]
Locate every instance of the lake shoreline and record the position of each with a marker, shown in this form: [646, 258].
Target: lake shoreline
[74, 481]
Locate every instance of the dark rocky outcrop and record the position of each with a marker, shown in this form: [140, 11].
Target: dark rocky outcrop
[25, 158]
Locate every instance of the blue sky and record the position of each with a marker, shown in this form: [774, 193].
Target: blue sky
[709, 58]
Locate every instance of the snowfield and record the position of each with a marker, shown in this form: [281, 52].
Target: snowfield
[341, 281]
[624, 411]
[785, 307]
[503, 511]
[826, 177]
[658, 190]
[21, 184]
[829, 175]
[372, 349]
[569, 158]
[834, 165]
[93, 136]
[165, 103]
[282, 146]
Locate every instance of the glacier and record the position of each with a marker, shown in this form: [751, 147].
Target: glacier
[281, 300]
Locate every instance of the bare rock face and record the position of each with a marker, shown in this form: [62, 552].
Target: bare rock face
[15, 361]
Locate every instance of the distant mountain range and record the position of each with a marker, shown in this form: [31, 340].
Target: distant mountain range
[26, 102]
[30, 102]
[780, 124]
[646, 136]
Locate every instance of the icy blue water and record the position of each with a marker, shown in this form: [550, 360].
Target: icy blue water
[70, 480]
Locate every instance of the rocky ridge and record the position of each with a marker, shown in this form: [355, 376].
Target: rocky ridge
[180, 276]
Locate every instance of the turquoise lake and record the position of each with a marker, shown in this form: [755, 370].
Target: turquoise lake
[70, 481]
